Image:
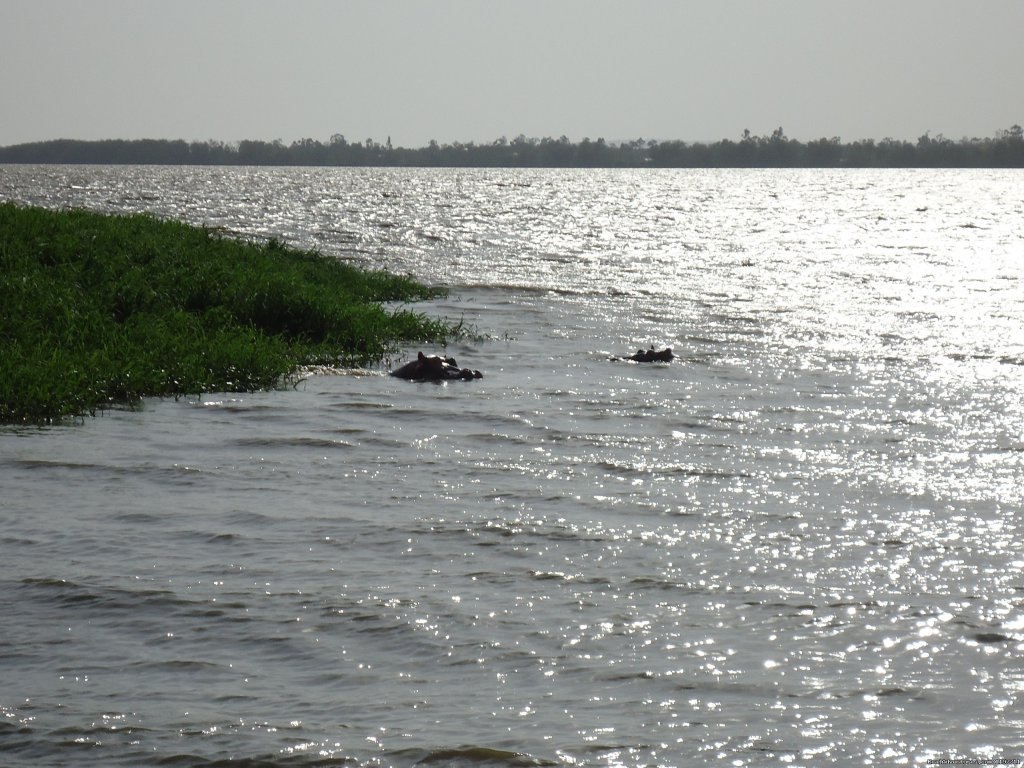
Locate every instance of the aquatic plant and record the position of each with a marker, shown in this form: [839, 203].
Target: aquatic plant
[101, 310]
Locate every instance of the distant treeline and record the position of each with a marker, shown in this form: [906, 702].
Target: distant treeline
[1004, 150]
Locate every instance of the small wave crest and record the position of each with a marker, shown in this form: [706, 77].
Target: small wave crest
[454, 757]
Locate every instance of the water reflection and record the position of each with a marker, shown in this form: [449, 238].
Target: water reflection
[794, 544]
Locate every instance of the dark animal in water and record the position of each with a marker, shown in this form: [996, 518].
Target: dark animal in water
[652, 356]
[434, 368]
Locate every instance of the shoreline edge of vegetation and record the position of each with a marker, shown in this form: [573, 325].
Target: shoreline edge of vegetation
[1004, 150]
[102, 310]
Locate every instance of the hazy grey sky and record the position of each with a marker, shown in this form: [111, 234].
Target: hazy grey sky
[475, 70]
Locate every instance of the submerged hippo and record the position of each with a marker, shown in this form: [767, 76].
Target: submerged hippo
[652, 356]
[434, 368]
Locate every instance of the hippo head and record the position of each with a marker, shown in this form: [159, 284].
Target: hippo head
[432, 366]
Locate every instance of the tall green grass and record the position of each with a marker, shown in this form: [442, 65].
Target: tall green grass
[97, 310]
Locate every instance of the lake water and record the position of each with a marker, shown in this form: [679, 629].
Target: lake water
[796, 544]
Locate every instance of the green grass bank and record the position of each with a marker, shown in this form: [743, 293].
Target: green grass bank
[100, 310]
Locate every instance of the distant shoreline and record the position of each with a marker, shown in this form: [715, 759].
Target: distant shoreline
[1005, 150]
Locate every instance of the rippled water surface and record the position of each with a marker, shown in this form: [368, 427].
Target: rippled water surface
[796, 544]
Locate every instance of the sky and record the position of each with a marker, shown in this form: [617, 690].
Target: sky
[477, 70]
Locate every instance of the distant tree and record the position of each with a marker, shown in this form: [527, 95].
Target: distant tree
[824, 153]
[1006, 149]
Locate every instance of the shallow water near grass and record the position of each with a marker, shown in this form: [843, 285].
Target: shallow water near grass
[797, 543]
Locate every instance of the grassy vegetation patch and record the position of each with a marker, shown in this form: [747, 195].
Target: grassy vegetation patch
[103, 309]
